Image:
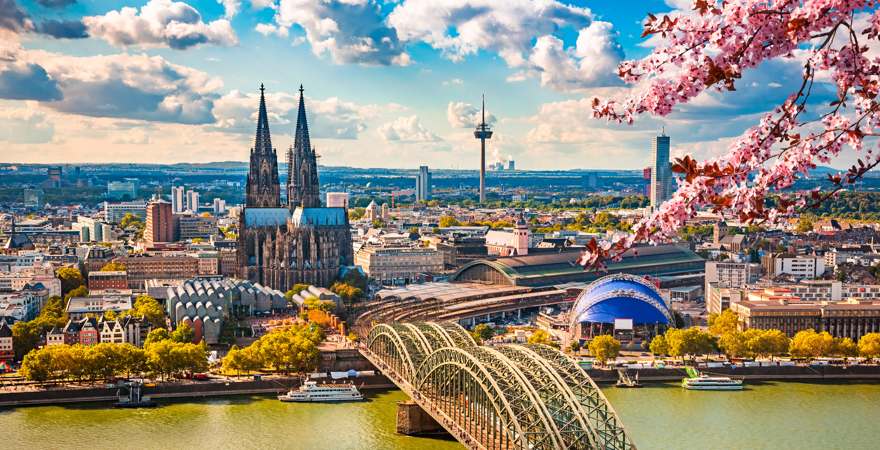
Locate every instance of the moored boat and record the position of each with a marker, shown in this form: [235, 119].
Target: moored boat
[311, 391]
[708, 383]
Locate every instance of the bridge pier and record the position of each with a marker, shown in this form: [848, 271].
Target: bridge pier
[412, 420]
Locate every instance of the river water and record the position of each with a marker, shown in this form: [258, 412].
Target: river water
[765, 416]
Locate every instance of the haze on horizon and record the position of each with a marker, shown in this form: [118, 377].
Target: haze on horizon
[387, 84]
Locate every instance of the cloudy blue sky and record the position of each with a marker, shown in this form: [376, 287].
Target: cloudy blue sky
[387, 83]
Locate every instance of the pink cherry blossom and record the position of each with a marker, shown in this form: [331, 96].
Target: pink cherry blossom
[710, 48]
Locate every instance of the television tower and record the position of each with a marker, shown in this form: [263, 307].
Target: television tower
[482, 133]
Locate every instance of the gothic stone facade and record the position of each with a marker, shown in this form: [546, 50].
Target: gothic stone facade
[301, 242]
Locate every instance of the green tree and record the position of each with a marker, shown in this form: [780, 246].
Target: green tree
[604, 348]
[658, 345]
[574, 346]
[688, 341]
[347, 292]
[183, 334]
[767, 342]
[71, 278]
[805, 223]
[156, 335]
[357, 279]
[37, 366]
[27, 335]
[726, 322]
[113, 266]
[150, 309]
[482, 332]
[315, 303]
[845, 347]
[809, 344]
[130, 220]
[79, 291]
[540, 337]
[232, 362]
[734, 344]
[869, 345]
[449, 221]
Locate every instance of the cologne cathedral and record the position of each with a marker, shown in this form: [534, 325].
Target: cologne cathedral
[300, 242]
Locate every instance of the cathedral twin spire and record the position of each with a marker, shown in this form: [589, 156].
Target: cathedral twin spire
[302, 164]
[263, 186]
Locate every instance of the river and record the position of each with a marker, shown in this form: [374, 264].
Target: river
[766, 415]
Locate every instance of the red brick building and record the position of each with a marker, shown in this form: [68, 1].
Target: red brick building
[160, 222]
[108, 280]
[164, 267]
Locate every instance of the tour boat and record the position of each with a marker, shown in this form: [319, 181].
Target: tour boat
[707, 383]
[313, 392]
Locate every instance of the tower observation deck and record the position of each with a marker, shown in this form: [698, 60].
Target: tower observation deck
[483, 132]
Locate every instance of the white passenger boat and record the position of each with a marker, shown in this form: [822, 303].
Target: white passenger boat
[313, 392]
[707, 383]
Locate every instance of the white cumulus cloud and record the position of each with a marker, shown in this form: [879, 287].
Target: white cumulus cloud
[463, 27]
[592, 62]
[160, 23]
[407, 129]
[350, 31]
[128, 86]
[466, 115]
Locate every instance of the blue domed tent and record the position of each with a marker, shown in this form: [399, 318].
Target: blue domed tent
[621, 296]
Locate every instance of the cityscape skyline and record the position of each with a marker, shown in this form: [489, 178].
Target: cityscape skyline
[414, 98]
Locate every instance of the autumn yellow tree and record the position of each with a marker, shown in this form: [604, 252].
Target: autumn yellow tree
[604, 348]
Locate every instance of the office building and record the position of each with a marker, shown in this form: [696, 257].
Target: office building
[661, 172]
[797, 266]
[101, 280]
[177, 199]
[850, 318]
[423, 184]
[511, 165]
[191, 226]
[95, 305]
[53, 176]
[337, 200]
[161, 266]
[91, 230]
[160, 222]
[33, 197]
[122, 190]
[219, 206]
[192, 201]
[396, 265]
[114, 212]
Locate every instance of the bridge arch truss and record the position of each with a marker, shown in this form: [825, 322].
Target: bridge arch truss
[499, 397]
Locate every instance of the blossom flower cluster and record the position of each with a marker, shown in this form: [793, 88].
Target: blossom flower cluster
[709, 48]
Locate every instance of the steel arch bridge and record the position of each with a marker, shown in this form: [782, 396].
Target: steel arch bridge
[500, 397]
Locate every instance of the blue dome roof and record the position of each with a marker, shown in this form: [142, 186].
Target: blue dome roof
[621, 296]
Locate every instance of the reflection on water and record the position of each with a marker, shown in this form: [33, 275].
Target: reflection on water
[766, 415]
[665, 416]
[257, 422]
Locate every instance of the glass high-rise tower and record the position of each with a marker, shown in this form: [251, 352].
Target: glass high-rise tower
[661, 173]
[423, 184]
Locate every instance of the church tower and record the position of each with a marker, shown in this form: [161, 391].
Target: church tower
[302, 165]
[263, 187]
